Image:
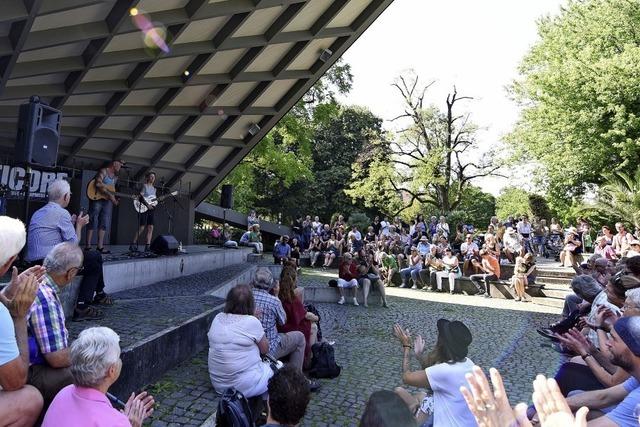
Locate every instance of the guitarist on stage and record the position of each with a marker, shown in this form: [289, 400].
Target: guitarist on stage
[100, 210]
[147, 192]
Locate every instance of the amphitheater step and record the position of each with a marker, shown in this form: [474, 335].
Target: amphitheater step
[549, 302]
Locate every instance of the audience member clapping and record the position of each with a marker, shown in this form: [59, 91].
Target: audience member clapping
[95, 366]
[48, 337]
[443, 379]
[348, 278]
[20, 404]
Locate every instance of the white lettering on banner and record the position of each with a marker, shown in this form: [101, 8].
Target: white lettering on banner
[13, 178]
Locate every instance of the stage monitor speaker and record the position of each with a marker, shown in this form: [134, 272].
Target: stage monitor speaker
[226, 196]
[38, 134]
[165, 244]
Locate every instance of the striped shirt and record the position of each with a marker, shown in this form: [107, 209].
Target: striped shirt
[272, 313]
[50, 225]
[45, 325]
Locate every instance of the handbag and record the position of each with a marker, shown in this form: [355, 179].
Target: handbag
[234, 410]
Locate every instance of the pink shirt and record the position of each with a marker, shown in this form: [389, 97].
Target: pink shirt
[83, 407]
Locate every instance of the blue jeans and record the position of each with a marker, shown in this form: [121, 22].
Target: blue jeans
[100, 214]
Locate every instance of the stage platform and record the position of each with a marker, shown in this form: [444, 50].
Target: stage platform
[123, 272]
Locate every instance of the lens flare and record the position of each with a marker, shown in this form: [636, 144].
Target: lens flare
[154, 34]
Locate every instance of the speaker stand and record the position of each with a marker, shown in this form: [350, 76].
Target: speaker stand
[27, 193]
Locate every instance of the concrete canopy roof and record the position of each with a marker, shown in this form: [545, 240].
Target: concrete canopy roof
[248, 63]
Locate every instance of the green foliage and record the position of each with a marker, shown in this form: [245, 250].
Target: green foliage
[619, 198]
[579, 89]
[512, 201]
[476, 207]
[338, 142]
[539, 207]
[360, 220]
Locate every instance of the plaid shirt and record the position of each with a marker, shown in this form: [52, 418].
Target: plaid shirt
[272, 312]
[47, 332]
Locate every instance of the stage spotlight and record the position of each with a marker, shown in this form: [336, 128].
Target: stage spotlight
[133, 11]
[254, 129]
[186, 73]
[325, 54]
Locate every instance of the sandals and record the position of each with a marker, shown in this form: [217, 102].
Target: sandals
[103, 251]
[103, 299]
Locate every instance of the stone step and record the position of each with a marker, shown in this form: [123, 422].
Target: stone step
[549, 302]
[550, 280]
[162, 324]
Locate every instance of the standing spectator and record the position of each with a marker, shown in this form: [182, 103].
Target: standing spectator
[446, 378]
[584, 230]
[490, 271]
[236, 341]
[282, 250]
[296, 227]
[621, 241]
[556, 227]
[443, 228]
[307, 230]
[316, 225]
[296, 251]
[348, 278]
[376, 225]
[509, 222]
[540, 232]
[521, 270]
[511, 244]
[95, 366]
[458, 239]
[272, 314]
[48, 337]
[20, 404]
[524, 232]
[433, 226]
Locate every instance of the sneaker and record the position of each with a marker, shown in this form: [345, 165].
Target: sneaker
[341, 300]
[404, 285]
[547, 333]
[414, 287]
[355, 302]
[486, 295]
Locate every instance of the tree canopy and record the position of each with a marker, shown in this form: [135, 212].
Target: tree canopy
[579, 90]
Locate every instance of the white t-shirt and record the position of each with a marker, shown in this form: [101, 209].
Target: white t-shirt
[8, 346]
[234, 357]
[445, 380]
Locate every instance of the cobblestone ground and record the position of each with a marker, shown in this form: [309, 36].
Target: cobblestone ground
[503, 331]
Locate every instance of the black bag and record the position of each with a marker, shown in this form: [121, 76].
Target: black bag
[312, 309]
[234, 410]
[323, 364]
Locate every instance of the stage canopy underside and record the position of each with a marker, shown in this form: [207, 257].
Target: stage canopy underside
[188, 109]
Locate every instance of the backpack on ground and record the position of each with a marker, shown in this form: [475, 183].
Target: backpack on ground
[323, 364]
[234, 410]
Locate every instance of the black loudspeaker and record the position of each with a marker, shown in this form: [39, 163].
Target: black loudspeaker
[165, 244]
[226, 197]
[38, 134]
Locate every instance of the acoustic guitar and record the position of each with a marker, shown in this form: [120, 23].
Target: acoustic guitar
[93, 193]
[151, 201]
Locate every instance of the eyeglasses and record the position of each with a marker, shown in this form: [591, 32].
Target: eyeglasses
[79, 269]
[626, 307]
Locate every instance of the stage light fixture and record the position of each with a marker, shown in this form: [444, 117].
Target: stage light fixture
[133, 11]
[186, 73]
[254, 129]
[325, 54]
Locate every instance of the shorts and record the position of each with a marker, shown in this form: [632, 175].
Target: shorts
[100, 214]
[147, 218]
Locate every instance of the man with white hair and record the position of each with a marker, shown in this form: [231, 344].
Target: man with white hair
[48, 336]
[95, 366]
[52, 224]
[20, 404]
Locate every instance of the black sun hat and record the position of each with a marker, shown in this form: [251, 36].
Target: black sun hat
[455, 336]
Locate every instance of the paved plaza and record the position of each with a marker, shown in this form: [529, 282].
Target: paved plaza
[503, 336]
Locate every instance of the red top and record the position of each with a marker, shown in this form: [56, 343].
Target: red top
[296, 321]
[348, 272]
